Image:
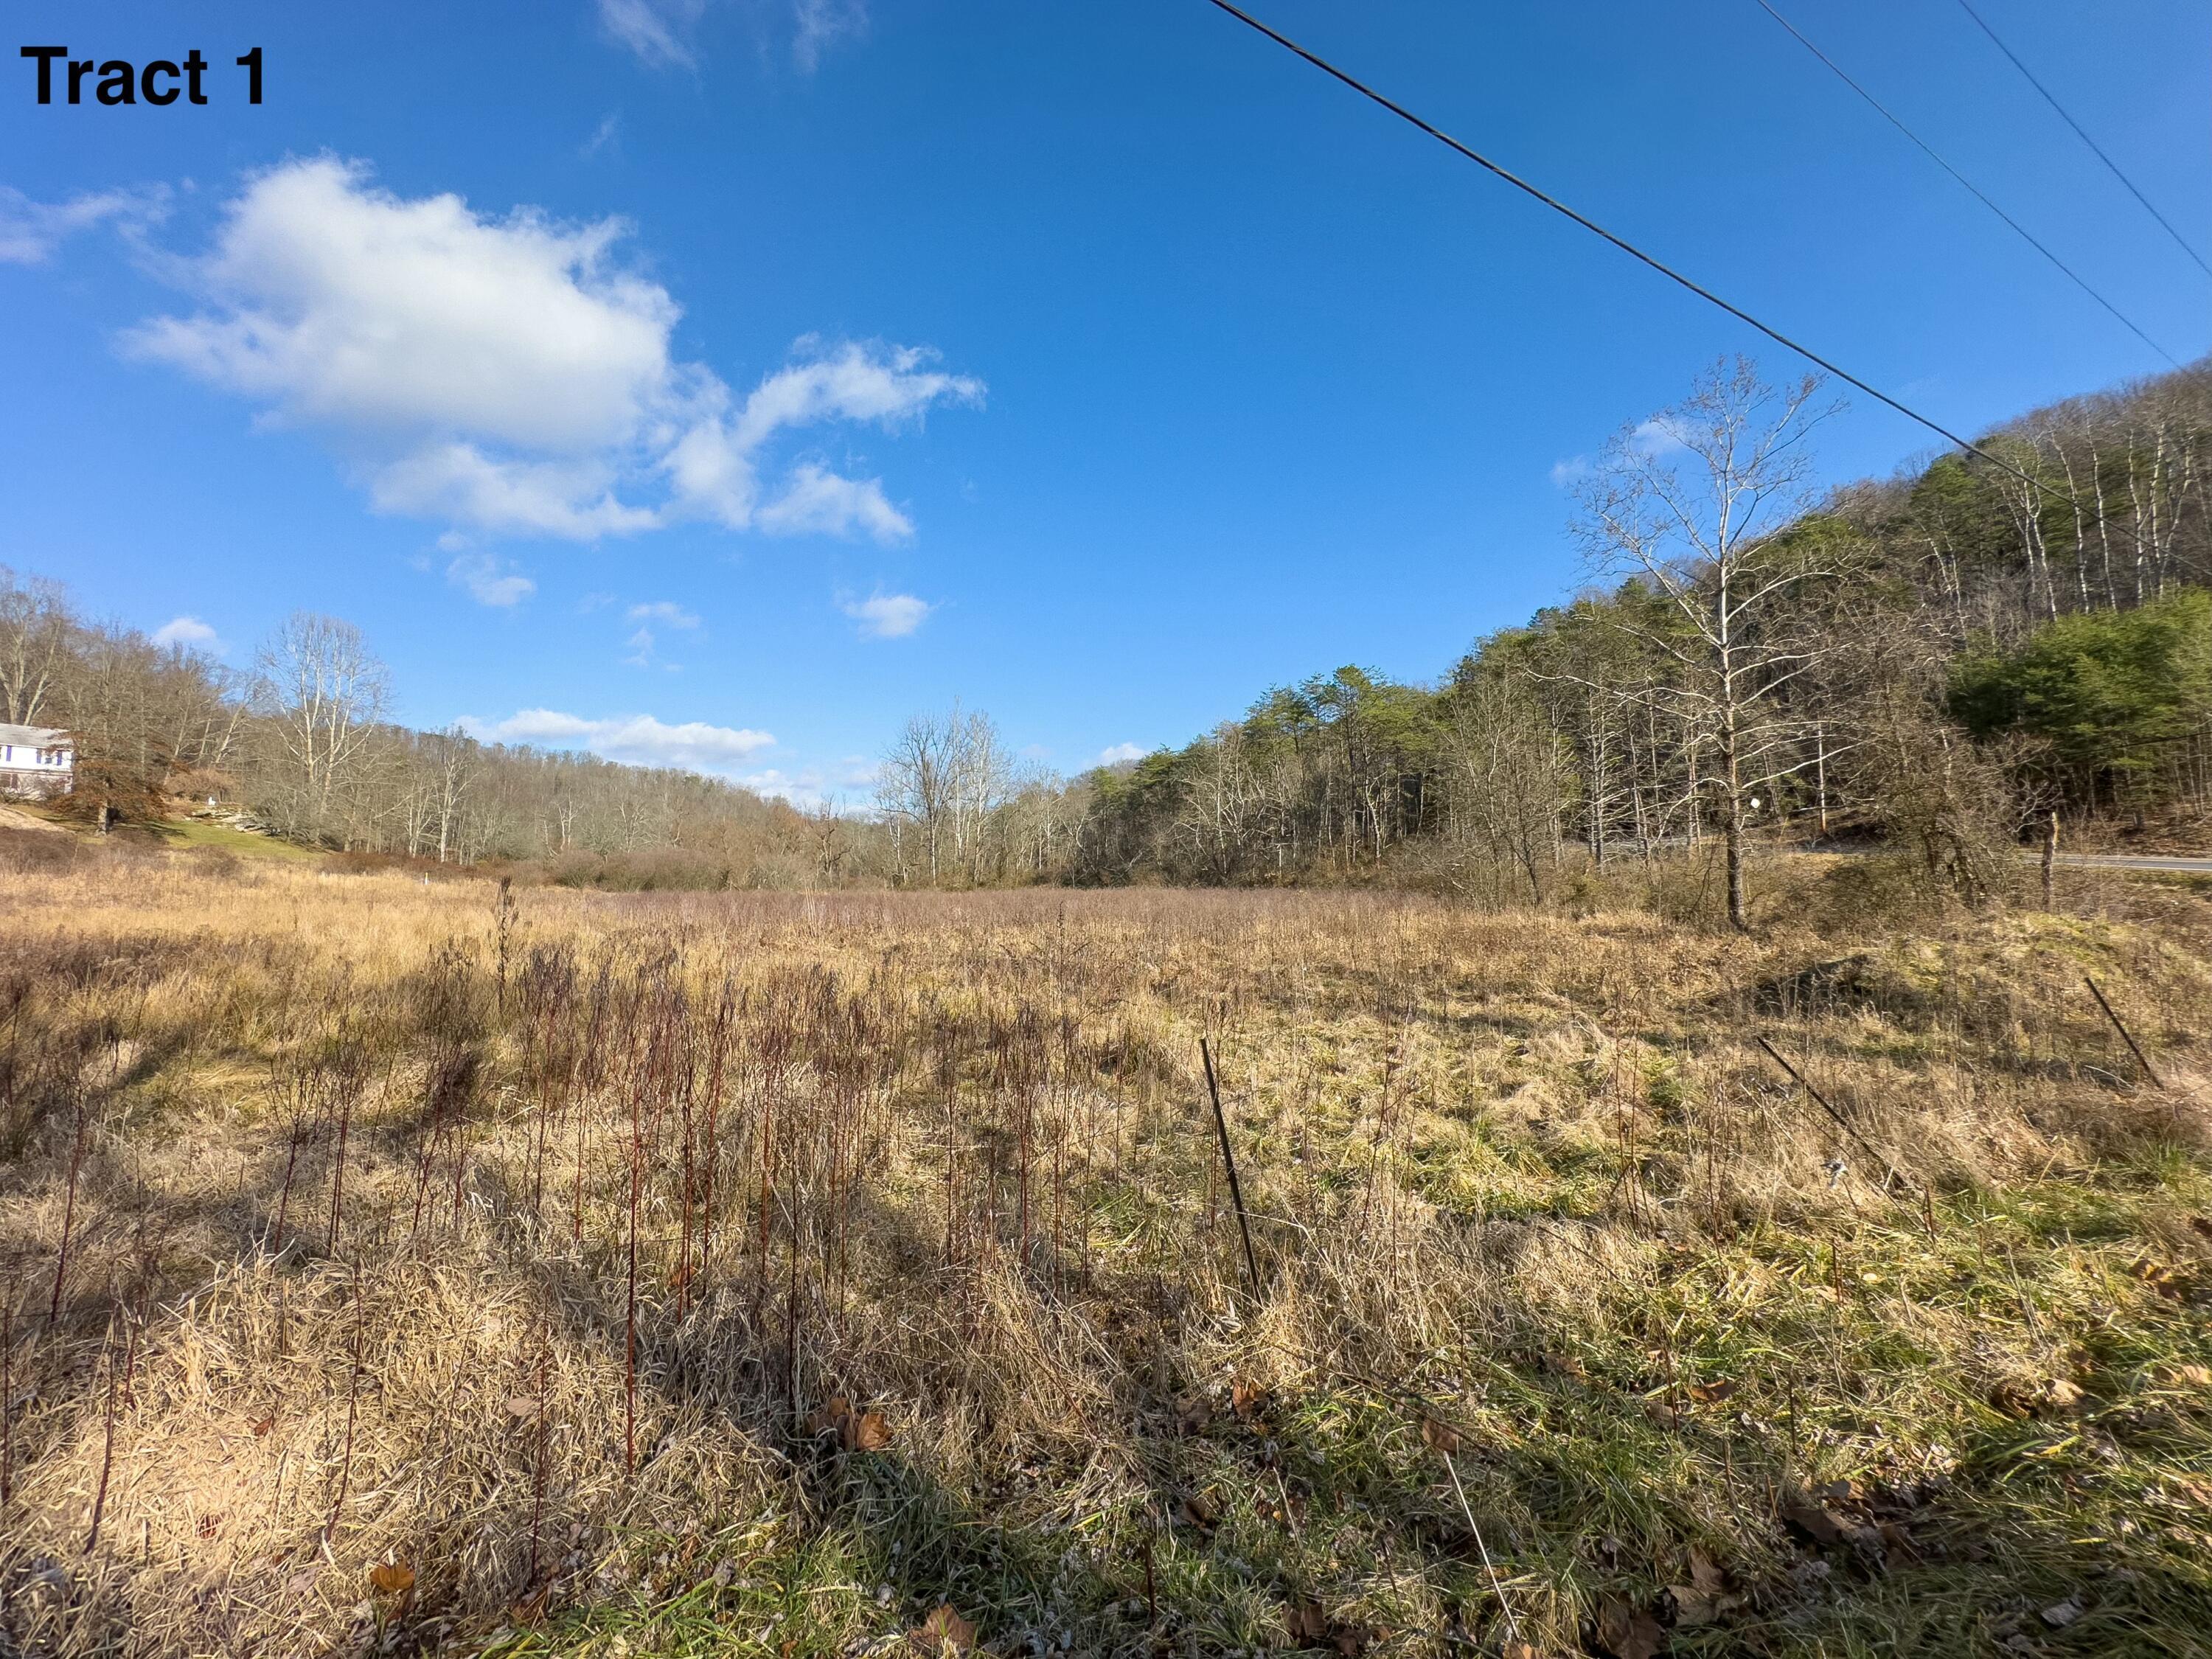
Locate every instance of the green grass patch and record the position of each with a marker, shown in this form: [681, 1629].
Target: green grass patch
[198, 832]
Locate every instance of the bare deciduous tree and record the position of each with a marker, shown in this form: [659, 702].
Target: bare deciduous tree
[322, 693]
[34, 644]
[943, 779]
[1698, 502]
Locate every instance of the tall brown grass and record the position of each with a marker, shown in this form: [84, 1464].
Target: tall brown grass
[485, 1233]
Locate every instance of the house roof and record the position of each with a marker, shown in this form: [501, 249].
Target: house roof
[33, 737]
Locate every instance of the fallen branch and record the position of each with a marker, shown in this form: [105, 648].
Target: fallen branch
[2125, 1037]
[1228, 1162]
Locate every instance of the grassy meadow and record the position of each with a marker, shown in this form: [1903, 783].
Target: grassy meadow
[405, 1265]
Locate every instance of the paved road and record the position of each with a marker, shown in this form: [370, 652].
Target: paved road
[2187, 863]
[2137, 861]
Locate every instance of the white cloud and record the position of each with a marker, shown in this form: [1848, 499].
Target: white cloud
[824, 504]
[887, 616]
[1122, 753]
[802, 788]
[660, 31]
[638, 739]
[508, 376]
[573, 500]
[490, 580]
[1655, 437]
[653, 29]
[665, 613]
[890, 384]
[30, 231]
[341, 303]
[812, 786]
[188, 631]
[822, 24]
[608, 130]
[1649, 439]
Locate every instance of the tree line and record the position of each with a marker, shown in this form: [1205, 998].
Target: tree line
[301, 745]
[1941, 659]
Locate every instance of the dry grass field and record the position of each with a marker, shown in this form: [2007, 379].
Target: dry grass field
[393, 1266]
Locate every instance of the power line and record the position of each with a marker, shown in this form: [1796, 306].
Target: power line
[2095, 147]
[1927, 149]
[1631, 249]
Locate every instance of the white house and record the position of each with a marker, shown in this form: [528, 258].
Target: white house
[35, 760]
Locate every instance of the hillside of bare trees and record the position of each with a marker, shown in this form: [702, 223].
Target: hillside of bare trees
[302, 746]
[1945, 660]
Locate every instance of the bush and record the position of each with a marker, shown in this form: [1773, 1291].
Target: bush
[41, 852]
[663, 870]
[2106, 690]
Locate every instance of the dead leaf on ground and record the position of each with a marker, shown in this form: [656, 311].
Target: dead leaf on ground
[1711, 1393]
[1440, 1437]
[2187, 1376]
[262, 1425]
[521, 1405]
[944, 1632]
[1692, 1606]
[530, 1609]
[856, 1431]
[1707, 1574]
[2166, 1281]
[1898, 1549]
[2053, 1393]
[2060, 1615]
[1199, 1511]
[1709, 1594]
[865, 1431]
[1565, 1364]
[1627, 1632]
[1309, 1625]
[392, 1577]
[1194, 1413]
[1249, 1400]
[1809, 1516]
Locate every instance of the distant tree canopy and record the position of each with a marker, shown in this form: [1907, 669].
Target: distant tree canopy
[2109, 691]
[302, 745]
[1923, 658]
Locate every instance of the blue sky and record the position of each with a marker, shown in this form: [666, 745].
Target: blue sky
[724, 380]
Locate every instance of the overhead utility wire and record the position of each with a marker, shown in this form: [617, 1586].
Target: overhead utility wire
[2018, 229]
[1634, 251]
[2095, 148]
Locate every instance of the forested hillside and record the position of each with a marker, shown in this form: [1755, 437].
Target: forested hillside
[1941, 657]
[301, 744]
